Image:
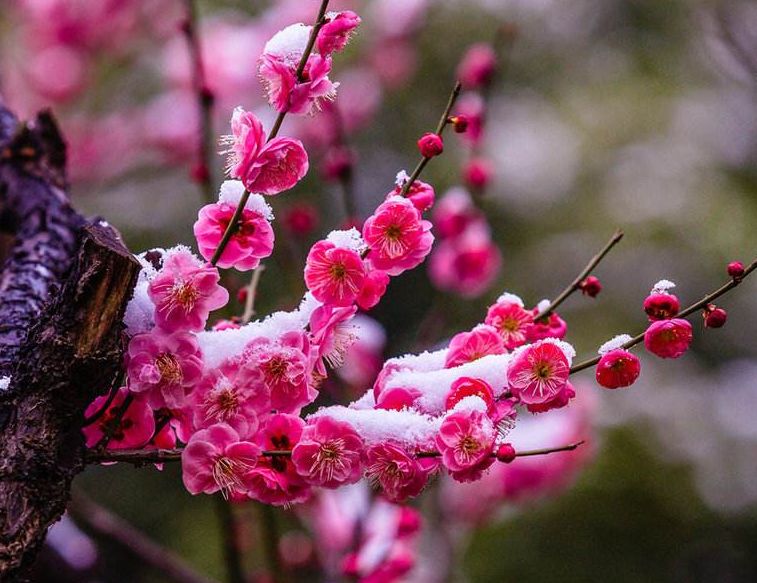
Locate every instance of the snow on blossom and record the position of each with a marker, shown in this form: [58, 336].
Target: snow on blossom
[663, 286]
[328, 453]
[334, 275]
[347, 239]
[464, 347]
[231, 192]
[465, 440]
[539, 371]
[289, 44]
[614, 343]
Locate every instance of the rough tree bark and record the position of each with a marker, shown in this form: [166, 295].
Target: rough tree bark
[63, 289]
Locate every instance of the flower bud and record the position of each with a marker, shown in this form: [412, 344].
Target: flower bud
[668, 338]
[459, 123]
[591, 286]
[617, 368]
[661, 306]
[430, 145]
[736, 270]
[477, 174]
[505, 453]
[714, 317]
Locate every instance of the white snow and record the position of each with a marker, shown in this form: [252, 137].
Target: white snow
[616, 342]
[662, 286]
[4, 383]
[509, 298]
[289, 43]
[231, 192]
[349, 239]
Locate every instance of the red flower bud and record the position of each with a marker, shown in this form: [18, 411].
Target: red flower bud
[430, 145]
[714, 317]
[459, 123]
[736, 270]
[505, 453]
[661, 306]
[591, 286]
[618, 368]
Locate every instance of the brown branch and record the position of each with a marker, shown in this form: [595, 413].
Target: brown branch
[103, 522]
[684, 313]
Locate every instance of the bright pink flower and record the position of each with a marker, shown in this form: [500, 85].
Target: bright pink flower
[397, 398]
[285, 94]
[618, 368]
[469, 346]
[557, 402]
[668, 338]
[398, 237]
[165, 366]
[511, 321]
[465, 440]
[263, 167]
[231, 394]
[334, 275]
[279, 79]
[335, 34]
[538, 372]
[396, 472]
[454, 213]
[184, 292]
[251, 242]
[421, 194]
[374, 288]
[551, 327]
[466, 265]
[328, 453]
[275, 479]
[284, 368]
[133, 428]
[477, 66]
[469, 387]
[661, 306]
[430, 145]
[216, 459]
[332, 335]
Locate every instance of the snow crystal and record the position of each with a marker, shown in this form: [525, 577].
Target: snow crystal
[231, 192]
[349, 239]
[616, 342]
[543, 305]
[470, 403]
[367, 401]
[406, 427]
[509, 298]
[290, 43]
[140, 311]
[218, 345]
[4, 383]
[566, 347]
[434, 385]
[662, 286]
[423, 362]
[402, 177]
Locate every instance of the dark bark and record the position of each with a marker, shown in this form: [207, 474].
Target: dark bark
[63, 290]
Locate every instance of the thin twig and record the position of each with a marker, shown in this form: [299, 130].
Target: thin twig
[234, 222]
[205, 101]
[106, 524]
[252, 291]
[443, 121]
[686, 312]
[575, 285]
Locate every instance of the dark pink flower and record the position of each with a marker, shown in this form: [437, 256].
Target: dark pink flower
[454, 213]
[560, 400]
[374, 288]
[334, 275]
[328, 453]
[164, 366]
[465, 440]
[396, 472]
[469, 387]
[668, 338]
[397, 236]
[217, 459]
[185, 292]
[553, 326]
[397, 398]
[332, 335]
[661, 306]
[618, 368]
[335, 34]
[421, 194]
[538, 372]
[131, 428]
[469, 346]
[430, 145]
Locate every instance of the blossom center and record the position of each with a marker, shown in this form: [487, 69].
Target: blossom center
[170, 371]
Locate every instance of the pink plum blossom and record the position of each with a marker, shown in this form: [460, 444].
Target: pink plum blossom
[185, 292]
[335, 34]
[287, 94]
[668, 338]
[661, 306]
[466, 265]
[251, 242]
[617, 368]
[331, 334]
[511, 321]
[465, 440]
[420, 193]
[560, 400]
[265, 167]
[127, 428]
[397, 473]
[397, 236]
[164, 366]
[334, 275]
[465, 387]
[374, 288]
[469, 346]
[284, 369]
[397, 398]
[553, 326]
[328, 453]
[216, 459]
[454, 213]
[538, 372]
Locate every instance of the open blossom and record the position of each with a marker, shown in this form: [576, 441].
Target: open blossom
[216, 459]
[469, 387]
[335, 34]
[165, 366]
[538, 372]
[397, 473]
[231, 394]
[185, 292]
[251, 242]
[334, 275]
[328, 453]
[553, 326]
[275, 479]
[511, 321]
[617, 368]
[668, 338]
[332, 335]
[454, 213]
[126, 429]
[265, 167]
[465, 440]
[560, 400]
[469, 346]
[398, 237]
[287, 94]
[284, 368]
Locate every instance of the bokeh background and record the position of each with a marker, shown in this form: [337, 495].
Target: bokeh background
[640, 114]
